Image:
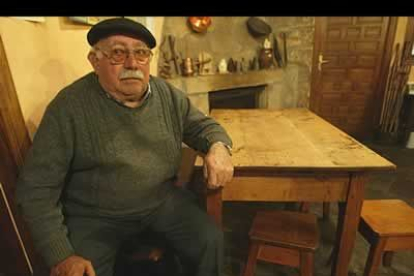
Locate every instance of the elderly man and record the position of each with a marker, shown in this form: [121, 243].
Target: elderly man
[105, 158]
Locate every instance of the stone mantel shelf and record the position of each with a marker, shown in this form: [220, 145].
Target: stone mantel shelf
[211, 83]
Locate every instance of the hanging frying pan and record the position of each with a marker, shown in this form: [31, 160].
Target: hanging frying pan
[257, 27]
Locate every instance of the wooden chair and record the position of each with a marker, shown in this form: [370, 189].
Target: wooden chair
[283, 237]
[388, 225]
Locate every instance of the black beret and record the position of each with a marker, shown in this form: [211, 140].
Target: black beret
[121, 26]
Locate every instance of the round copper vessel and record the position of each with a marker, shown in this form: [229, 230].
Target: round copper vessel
[199, 24]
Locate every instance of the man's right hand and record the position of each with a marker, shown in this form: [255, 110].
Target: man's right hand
[73, 266]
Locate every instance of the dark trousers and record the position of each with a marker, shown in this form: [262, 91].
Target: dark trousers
[192, 234]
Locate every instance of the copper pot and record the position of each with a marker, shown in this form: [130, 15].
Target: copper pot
[199, 24]
[188, 69]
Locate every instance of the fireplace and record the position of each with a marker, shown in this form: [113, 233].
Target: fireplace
[246, 97]
[247, 90]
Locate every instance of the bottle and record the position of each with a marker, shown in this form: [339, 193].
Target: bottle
[188, 67]
[266, 55]
[222, 67]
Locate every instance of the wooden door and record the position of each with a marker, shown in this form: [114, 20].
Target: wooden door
[350, 60]
[17, 254]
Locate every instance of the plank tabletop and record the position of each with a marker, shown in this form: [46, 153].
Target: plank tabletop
[293, 139]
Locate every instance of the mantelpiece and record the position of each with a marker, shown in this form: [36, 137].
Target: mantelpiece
[198, 87]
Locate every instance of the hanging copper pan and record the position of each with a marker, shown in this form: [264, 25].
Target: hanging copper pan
[199, 24]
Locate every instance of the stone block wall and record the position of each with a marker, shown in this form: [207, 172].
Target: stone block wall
[228, 37]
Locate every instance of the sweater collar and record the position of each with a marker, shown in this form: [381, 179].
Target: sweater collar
[145, 97]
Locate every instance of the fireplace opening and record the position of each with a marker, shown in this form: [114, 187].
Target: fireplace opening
[237, 98]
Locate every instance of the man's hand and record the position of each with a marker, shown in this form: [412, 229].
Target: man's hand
[218, 168]
[73, 266]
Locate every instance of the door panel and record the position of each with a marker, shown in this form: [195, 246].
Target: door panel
[348, 55]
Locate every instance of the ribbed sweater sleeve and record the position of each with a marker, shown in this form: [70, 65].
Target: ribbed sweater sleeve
[41, 181]
[200, 131]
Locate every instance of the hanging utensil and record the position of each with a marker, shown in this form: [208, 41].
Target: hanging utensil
[257, 27]
[276, 52]
[285, 61]
[174, 56]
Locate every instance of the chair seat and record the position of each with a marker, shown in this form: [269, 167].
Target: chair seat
[388, 217]
[286, 229]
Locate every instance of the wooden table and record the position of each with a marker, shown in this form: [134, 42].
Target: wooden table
[294, 155]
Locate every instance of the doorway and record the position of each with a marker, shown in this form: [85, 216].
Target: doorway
[350, 61]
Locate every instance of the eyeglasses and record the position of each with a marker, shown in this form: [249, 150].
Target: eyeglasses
[118, 55]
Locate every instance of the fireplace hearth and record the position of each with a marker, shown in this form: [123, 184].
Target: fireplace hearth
[246, 98]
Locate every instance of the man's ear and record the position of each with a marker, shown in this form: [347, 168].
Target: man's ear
[93, 59]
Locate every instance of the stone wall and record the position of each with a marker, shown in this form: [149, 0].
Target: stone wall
[228, 37]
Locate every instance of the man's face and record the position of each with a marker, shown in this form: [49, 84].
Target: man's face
[126, 81]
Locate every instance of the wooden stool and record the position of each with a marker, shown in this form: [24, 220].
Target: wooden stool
[283, 237]
[388, 225]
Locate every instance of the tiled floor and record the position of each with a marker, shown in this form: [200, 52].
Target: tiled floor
[393, 184]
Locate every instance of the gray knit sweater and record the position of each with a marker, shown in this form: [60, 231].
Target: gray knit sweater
[93, 156]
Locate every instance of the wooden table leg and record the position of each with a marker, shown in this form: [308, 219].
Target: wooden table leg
[252, 259]
[214, 205]
[348, 220]
[387, 258]
[210, 199]
[326, 210]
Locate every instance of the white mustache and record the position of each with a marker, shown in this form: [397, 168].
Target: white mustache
[131, 74]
